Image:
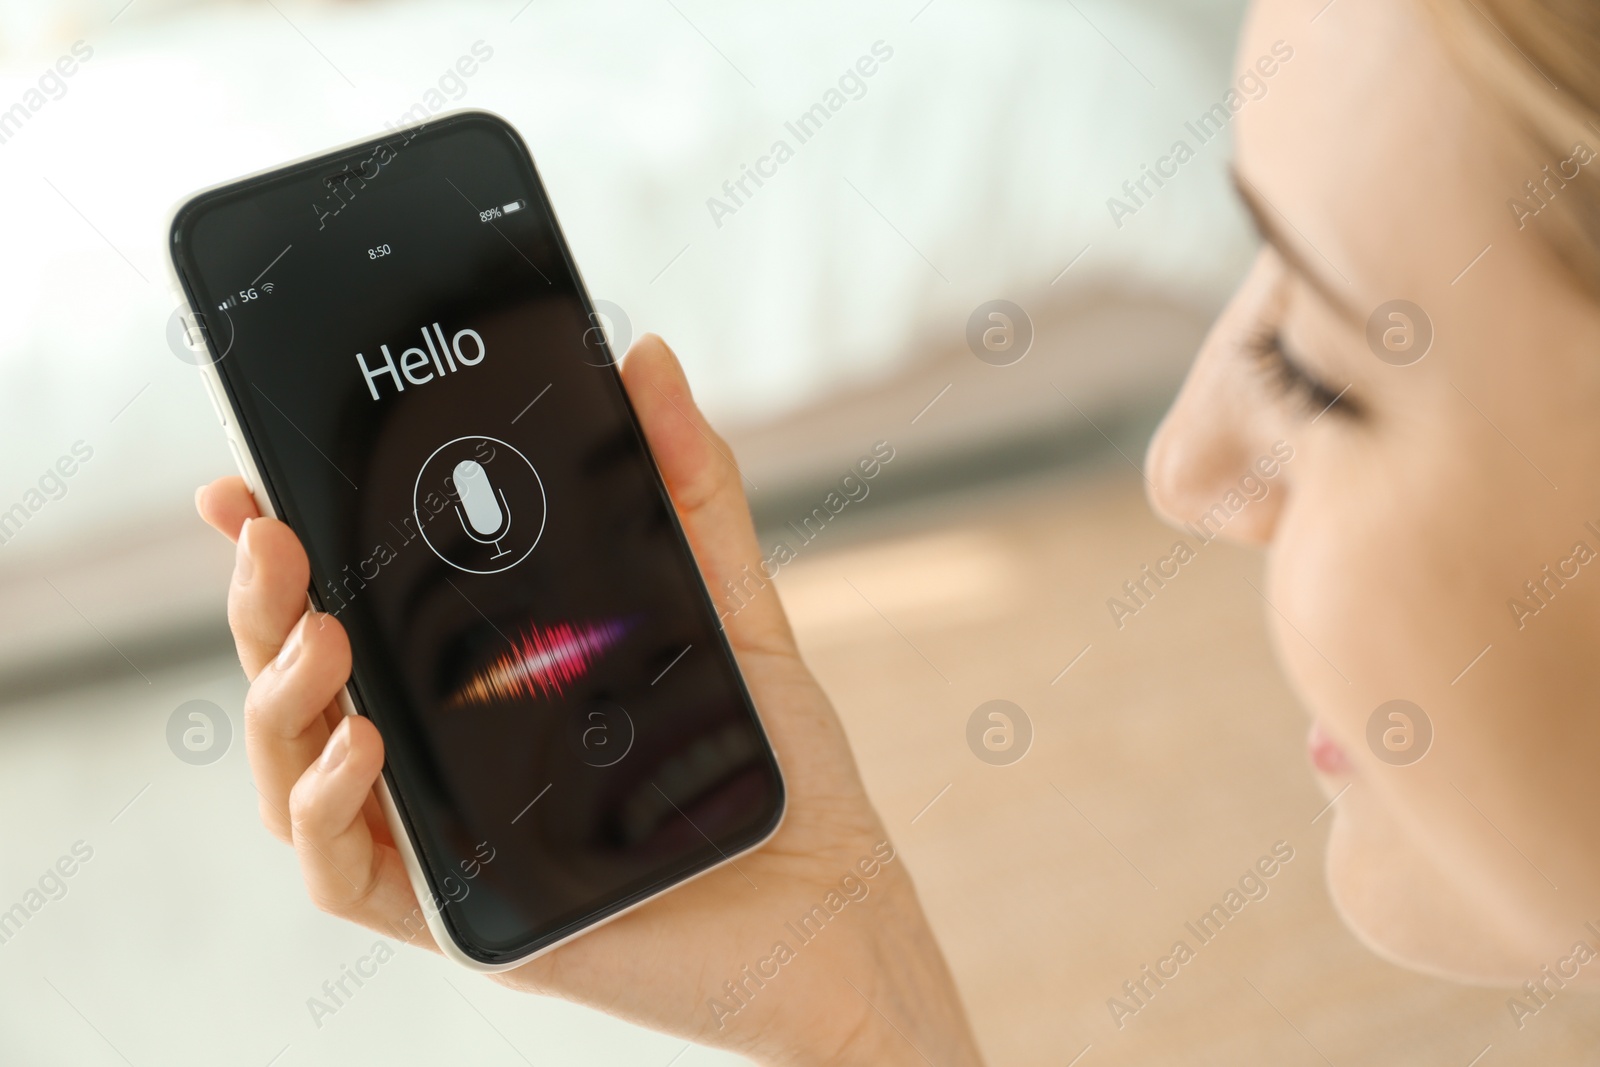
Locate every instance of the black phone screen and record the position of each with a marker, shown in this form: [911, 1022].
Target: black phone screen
[436, 413]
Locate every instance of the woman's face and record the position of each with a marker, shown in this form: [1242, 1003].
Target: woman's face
[1416, 506]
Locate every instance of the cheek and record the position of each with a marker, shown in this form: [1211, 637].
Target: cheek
[1398, 585]
[1395, 586]
[1353, 624]
[1391, 577]
[1367, 607]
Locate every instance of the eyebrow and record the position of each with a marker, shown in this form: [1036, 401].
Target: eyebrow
[1265, 215]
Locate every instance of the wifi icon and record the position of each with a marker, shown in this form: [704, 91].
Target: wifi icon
[266, 287]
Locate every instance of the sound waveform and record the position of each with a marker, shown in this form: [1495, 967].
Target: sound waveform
[544, 662]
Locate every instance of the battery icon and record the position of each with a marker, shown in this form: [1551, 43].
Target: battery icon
[515, 205]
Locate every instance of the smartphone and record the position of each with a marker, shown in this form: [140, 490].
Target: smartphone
[413, 378]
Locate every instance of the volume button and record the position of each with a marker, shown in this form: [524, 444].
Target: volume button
[216, 402]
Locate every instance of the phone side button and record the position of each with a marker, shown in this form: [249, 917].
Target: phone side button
[244, 468]
[216, 402]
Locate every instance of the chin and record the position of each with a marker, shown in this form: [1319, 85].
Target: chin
[1399, 905]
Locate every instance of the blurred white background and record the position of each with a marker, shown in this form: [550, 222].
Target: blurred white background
[976, 166]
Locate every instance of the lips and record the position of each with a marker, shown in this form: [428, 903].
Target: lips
[1326, 755]
[697, 773]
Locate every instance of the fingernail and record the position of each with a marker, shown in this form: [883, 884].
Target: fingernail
[291, 647]
[243, 566]
[198, 490]
[337, 749]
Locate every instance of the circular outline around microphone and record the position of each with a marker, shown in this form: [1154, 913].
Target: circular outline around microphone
[544, 501]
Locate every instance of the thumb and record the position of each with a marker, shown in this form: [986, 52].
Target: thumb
[707, 490]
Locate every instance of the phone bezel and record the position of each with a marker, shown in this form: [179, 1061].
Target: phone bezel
[444, 932]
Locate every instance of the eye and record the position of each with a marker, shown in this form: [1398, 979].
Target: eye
[1290, 378]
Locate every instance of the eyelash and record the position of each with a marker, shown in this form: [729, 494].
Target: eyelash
[1292, 380]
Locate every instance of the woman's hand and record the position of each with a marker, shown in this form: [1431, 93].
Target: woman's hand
[872, 987]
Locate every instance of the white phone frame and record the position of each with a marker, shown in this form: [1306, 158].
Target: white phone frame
[245, 460]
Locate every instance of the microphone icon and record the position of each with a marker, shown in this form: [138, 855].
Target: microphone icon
[489, 517]
[478, 477]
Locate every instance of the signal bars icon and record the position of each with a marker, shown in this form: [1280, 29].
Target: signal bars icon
[233, 301]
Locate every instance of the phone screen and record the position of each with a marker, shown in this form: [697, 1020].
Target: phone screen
[436, 413]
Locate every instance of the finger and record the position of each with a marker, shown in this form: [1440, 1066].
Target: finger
[708, 491]
[347, 873]
[285, 718]
[225, 504]
[268, 593]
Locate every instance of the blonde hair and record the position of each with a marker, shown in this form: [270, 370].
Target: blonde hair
[1540, 62]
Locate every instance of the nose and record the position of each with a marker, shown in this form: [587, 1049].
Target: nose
[1214, 461]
